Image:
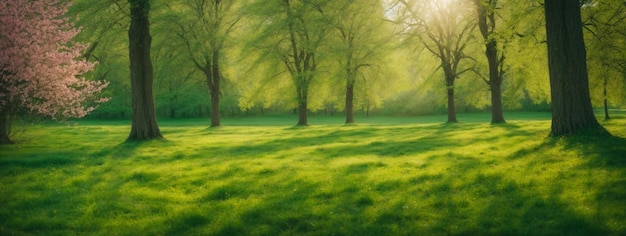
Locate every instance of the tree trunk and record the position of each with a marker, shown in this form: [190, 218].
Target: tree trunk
[350, 102]
[569, 85]
[215, 110]
[451, 111]
[5, 127]
[606, 100]
[302, 114]
[302, 105]
[495, 82]
[497, 114]
[214, 86]
[450, 87]
[144, 125]
[487, 25]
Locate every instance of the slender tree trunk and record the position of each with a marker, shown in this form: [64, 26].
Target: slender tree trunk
[5, 126]
[569, 85]
[144, 125]
[606, 100]
[350, 101]
[215, 110]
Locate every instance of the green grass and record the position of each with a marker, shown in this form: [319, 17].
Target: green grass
[263, 176]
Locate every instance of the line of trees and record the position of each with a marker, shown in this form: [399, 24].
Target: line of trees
[232, 56]
[240, 57]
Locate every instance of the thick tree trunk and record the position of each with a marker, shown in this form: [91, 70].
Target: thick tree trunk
[571, 104]
[450, 77]
[144, 125]
[302, 113]
[350, 102]
[495, 82]
[451, 110]
[497, 113]
[5, 127]
[302, 105]
[487, 25]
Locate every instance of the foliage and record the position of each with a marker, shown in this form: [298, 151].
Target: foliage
[40, 65]
[445, 29]
[105, 25]
[604, 23]
[404, 79]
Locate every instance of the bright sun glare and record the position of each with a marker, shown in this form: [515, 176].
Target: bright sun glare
[445, 3]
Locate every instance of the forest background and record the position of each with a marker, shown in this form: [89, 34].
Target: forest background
[397, 72]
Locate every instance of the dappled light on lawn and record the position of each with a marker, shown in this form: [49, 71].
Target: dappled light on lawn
[264, 176]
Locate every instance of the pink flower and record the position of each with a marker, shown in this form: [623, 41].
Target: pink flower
[40, 66]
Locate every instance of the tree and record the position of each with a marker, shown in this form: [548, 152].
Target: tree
[486, 10]
[204, 27]
[444, 30]
[292, 31]
[359, 46]
[604, 23]
[523, 36]
[569, 85]
[144, 124]
[40, 65]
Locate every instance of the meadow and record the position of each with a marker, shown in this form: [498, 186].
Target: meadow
[264, 176]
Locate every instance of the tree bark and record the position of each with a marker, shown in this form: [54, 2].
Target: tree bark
[302, 114]
[451, 111]
[450, 78]
[497, 113]
[215, 110]
[144, 125]
[214, 86]
[350, 101]
[5, 127]
[487, 25]
[606, 99]
[302, 107]
[495, 81]
[569, 85]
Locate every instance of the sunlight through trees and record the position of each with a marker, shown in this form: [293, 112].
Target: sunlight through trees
[356, 57]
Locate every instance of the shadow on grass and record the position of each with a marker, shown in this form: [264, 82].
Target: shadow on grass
[461, 200]
[460, 196]
[336, 143]
[460, 203]
[51, 159]
[602, 155]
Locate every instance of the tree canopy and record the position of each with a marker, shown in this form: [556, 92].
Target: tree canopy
[350, 56]
[40, 65]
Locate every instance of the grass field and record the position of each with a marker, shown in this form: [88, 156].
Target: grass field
[263, 176]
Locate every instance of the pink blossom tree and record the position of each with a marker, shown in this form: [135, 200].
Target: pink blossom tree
[40, 66]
